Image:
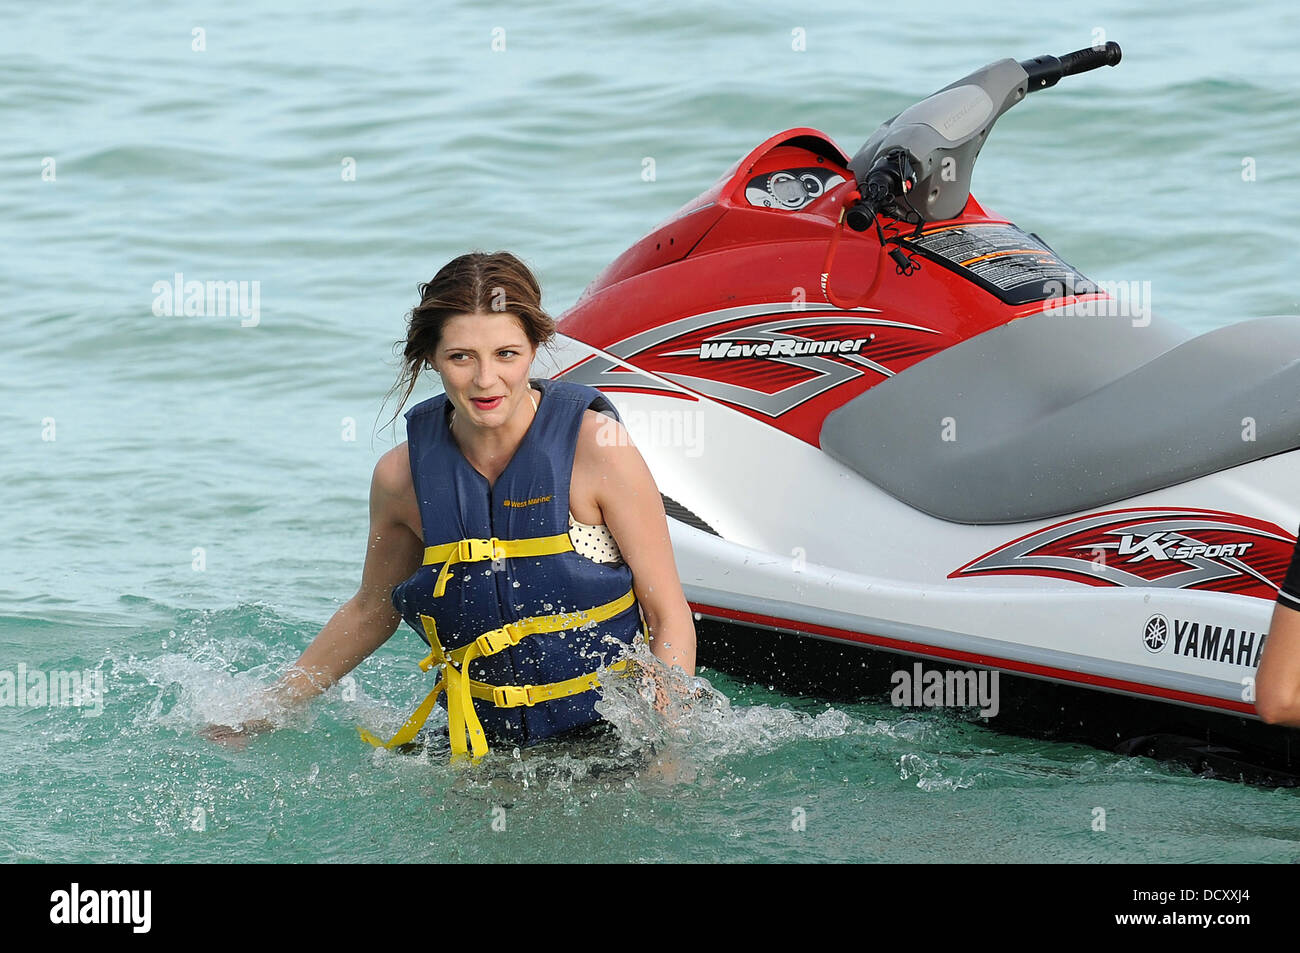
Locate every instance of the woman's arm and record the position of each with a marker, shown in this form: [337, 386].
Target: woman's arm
[1277, 685]
[368, 619]
[634, 512]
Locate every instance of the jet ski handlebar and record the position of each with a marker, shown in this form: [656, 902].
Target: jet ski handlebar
[916, 167]
[1046, 70]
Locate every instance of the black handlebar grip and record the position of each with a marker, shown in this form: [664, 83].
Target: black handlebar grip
[1081, 61]
[1045, 71]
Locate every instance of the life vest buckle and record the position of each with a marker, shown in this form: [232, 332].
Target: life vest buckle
[476, 550]
[511, 696]
[497, 640]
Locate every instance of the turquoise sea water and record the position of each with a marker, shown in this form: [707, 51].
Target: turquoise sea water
[184, 497]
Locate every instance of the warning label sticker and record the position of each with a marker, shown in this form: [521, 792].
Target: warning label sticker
[1009, 262]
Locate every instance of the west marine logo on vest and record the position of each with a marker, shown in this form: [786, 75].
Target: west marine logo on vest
[76, 906]
[531, 501]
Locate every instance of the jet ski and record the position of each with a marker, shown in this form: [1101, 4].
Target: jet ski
[884, 417]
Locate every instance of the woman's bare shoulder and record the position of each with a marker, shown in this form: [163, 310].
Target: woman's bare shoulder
[393, 470]
[598, 433]
[393, 490]
[606, 452]
[593, 466]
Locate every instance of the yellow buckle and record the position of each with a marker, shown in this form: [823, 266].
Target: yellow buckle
[510, 696]
[496, 640]
[429, 661]
[475, 550]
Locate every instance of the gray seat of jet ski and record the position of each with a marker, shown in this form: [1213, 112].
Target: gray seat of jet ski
[1051, 414]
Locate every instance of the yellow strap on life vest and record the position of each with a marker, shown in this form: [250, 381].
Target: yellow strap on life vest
[478, 550]
[462, 721]
[513, 696]
[503, 696]
[411, 727]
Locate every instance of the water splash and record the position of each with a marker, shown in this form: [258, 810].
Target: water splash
[663, 709]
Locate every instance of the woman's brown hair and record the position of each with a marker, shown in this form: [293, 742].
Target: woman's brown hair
[474, 283]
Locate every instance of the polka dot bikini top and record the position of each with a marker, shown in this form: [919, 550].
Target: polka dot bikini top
[593, 540]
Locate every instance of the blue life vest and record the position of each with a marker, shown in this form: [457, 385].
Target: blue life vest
[529, 682]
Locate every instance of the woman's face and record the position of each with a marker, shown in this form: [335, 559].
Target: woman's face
[484, 361]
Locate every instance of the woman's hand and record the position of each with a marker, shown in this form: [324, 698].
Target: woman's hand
[364, 622]
[1277, 684]
[237, 737]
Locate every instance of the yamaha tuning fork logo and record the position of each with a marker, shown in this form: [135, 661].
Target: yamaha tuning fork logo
[1156, 633]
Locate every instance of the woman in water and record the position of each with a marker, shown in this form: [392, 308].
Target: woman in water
[517, 530]
[1277, 685]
